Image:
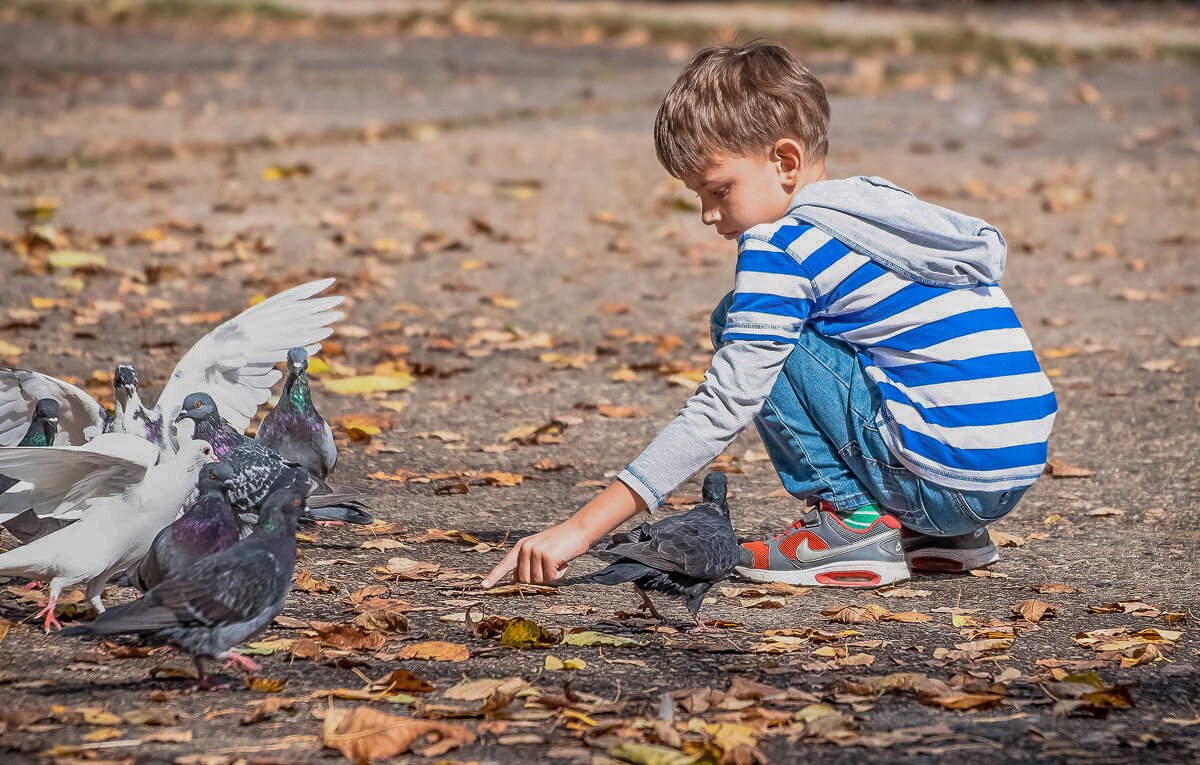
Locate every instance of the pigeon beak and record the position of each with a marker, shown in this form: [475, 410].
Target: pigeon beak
[52, 420]
[182, 416]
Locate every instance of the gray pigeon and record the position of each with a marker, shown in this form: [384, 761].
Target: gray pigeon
[204, 528]
[294, 429]
[222, 600]
[682, 556]
[43, 429]
[256, 468]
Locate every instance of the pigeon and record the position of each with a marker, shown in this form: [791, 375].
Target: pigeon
[42, 431]
[256, 468]
[234, 363]
[294, 429]
[224, 599]
[204, 528]
[119, 498]
[682, 556]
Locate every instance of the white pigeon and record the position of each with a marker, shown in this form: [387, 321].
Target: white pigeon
[234, 363]
[119, 496]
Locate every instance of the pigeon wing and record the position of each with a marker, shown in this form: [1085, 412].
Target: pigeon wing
[235, 363]
[20, 389]
[66, 480]
[693, 544]
[228, 587]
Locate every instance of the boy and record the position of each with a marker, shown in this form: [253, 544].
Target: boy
[893, 387]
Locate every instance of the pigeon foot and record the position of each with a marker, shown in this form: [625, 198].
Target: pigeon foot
[647, 606]
[329, 523]
[701, 627]
[244, 661]
[34, 586]
[48, 612]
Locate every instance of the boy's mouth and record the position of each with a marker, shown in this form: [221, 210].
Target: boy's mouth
[731, 234]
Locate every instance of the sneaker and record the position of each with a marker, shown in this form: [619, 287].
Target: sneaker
[950, 555]
[819, 549]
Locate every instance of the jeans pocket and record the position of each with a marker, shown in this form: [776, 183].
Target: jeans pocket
[986, 507]
[894, 487]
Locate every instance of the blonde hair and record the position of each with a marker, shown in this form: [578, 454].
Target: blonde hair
[739, 100]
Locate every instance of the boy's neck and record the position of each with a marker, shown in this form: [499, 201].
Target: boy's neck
[813, 173]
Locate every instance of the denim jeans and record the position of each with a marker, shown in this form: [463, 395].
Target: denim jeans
[818, 426]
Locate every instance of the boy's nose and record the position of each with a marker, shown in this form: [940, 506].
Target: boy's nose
[710, 217]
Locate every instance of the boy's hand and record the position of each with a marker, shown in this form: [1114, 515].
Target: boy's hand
[543, 557]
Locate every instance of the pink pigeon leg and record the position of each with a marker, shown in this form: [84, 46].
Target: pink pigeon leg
[48, 612]
[34, 586]
[245, 661]
[329, 523]
[701, 626]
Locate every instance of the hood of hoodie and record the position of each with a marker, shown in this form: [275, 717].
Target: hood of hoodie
[921, 241]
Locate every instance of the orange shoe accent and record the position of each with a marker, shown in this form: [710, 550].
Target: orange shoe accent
[762, 555]
[789, 545]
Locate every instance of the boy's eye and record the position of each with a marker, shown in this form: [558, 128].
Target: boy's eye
[721, 193]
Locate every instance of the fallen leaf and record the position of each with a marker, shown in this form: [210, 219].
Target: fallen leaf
[407, 570]
[1034, 610]
[591, 638]
[483, 688]
[364, 733]
[1004, 539]
[264, 684]
[1101, 512]
[90, 261]
[361, 385]
[1058, 468]
[525, 633]
[436, 650]
[379, 620]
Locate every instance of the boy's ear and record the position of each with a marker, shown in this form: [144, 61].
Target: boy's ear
[788, 157]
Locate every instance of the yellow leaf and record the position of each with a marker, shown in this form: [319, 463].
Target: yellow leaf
[362, 385]
[264, 685]
[41, 302]
[76, 259]
[436, 650]
[8, 349]
[103, 734]
[525, 633]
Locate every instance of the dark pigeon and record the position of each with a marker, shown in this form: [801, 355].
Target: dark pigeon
[682, 556]
[204, 528]
[224, 599]
[43, 429]
[256, 468]
[294, 429]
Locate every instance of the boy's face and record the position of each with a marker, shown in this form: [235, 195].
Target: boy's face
[739, 192]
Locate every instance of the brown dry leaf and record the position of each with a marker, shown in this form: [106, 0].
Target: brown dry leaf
[902, 592]
[1102, 512]
[407, 570]
[364, 733]
[1159, 365]
[403, 681]
[309, 583]
[856, 614]
[1058, 468]
[264, 684]
[379, 620]
[436, 650]
[348, 637]
[1004, 539]
[5, 626]
[906, 616]
[370, 591]
[1034, 610]
[1050, 588]
[619, 412]
[529, 435]
[484, 688]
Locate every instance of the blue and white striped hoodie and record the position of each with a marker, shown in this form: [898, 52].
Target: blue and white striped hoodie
[911, 287]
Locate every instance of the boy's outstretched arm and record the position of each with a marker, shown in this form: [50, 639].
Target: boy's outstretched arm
[543, 557]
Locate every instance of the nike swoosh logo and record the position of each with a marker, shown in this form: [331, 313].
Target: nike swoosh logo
[805, 554]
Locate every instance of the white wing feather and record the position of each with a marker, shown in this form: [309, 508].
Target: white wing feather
[67, 480]
[20, 389]
[235, 363]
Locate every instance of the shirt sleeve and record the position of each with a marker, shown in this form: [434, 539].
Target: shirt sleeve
[771, 301]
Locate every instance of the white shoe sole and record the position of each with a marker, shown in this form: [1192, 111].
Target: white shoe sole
[951, 561]
[837, 574]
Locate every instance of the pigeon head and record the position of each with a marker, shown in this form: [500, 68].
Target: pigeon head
[716, 490]
[125, 383]
[197, 406]
[297, 361]
[46, 410]
[216, 477]
[195, 454]
[283, 507]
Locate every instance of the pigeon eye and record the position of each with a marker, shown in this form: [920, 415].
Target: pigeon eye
[196, 405]
[208, 451]
[295, 503]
